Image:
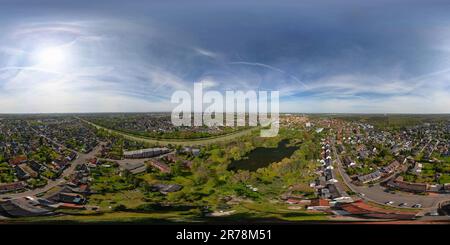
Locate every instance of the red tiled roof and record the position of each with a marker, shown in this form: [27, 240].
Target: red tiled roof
[320, 202]
[361, 208]
[18, 160]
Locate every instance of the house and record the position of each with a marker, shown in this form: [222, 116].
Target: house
[59, 164]
[71, 156]
[319, 204]
[134, 168]
[334, 193]
[417, 169]
[18, 160]
[347, 160]
[398, 183]
[37, 167]
[320, 182]
[193, 151]
[325, 193]
[73, 198]
[21, 174]
[82, 189]
[370, 177]
[329, 174]
[164, 168]
[145, 153]
[28, 170]
[11, 187]
[391, 167]
[93, 161]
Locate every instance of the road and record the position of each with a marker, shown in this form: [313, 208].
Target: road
[82, 158]
[191, 142]
[378, 194]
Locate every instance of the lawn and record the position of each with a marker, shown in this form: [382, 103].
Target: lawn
[130, 199]
[444, 179]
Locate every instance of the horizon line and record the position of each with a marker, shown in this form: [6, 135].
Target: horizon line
[136, 112]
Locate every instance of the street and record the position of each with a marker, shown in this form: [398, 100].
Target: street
[378, 194]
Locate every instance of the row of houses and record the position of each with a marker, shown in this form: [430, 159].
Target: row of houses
[379, 173]
[402, 185]
[145, 153]
[12, 187]
[398, 183]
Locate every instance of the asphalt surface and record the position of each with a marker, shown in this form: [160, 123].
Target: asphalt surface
[378, 193]
[82, 158]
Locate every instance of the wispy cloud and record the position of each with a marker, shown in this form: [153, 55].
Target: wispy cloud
[133, 57]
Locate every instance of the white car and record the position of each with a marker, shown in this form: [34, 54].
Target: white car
[30, 198]
[389, 203]
[417, 205]
[432, 214]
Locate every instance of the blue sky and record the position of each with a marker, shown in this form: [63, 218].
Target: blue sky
[323, 56]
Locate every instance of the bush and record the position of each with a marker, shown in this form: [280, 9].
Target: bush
[119, 207]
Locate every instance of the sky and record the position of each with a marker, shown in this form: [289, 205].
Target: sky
[323, 56]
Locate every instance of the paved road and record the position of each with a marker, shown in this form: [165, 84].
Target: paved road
[53, 183]
[191, 142]
[377, 193]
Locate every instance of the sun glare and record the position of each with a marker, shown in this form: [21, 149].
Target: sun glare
[51, 57]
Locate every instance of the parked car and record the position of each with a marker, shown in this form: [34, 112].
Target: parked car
[389, 203]
[432, 214]
[417, 205]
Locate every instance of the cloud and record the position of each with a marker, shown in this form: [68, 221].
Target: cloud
[104, 74]
[428, 93]
[133, 57]
[206, 53]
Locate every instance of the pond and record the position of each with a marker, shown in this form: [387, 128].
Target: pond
[261, 157]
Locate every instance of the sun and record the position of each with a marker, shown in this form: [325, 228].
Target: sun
[51, 57]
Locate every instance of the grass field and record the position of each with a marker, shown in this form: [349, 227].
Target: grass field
[130, 199]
